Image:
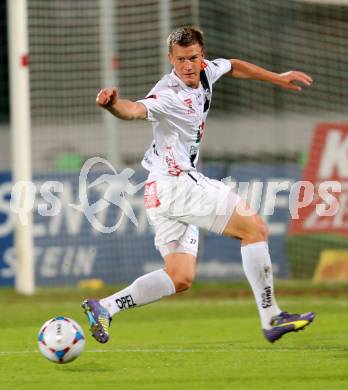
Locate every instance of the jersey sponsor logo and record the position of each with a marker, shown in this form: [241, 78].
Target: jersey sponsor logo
[172, 167]
[150, 195]
[125, 302]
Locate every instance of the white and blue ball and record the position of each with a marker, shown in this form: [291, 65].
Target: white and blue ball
[61, 340]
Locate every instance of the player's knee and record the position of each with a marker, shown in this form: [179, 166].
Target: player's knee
[181, 267]
[257, 232]
[182, 281]
[183, 284]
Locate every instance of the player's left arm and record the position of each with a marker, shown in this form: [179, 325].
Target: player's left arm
[246, 70]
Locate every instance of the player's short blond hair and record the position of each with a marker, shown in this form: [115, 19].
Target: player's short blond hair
[185, 36]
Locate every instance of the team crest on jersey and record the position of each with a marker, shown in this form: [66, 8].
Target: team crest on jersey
[189, 103]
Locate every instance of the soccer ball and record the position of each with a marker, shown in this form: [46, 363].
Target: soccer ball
[61, 340]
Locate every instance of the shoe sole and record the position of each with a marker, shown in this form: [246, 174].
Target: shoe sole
[95, 327]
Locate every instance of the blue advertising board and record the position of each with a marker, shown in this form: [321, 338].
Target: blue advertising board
[69, 249]
[7, 261]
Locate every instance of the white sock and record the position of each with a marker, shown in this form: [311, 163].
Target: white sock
[258, 270]
[146, 289]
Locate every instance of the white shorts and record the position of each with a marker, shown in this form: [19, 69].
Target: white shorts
[176, 206]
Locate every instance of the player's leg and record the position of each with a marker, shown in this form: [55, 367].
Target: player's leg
[181, 268]
[146, 289]
[212, 205]
[177, 275]
[179, 251]
[253, 233]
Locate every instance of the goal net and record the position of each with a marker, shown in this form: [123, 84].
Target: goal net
[255, 133]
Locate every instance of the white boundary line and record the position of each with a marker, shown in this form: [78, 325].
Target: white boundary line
[179, 350]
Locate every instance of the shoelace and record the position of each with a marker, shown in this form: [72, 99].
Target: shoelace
[281, 317]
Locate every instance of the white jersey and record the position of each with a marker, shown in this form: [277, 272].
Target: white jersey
[178, 114]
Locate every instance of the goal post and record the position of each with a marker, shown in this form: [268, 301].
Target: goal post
[20, 138]
[109, 64]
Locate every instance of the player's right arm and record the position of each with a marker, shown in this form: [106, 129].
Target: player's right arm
[121, 108]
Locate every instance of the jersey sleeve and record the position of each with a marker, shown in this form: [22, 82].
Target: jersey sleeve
[217, 68]
[156, 105]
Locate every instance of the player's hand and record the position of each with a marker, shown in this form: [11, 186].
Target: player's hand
[294, 80]
[107, 97]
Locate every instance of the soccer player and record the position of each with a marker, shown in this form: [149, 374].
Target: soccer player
[179, 199]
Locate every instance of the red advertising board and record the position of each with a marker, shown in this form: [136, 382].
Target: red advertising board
[327, 171]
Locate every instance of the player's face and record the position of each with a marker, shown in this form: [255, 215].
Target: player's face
[187, 61]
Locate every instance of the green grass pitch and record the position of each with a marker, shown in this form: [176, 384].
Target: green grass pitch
[194, 341]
